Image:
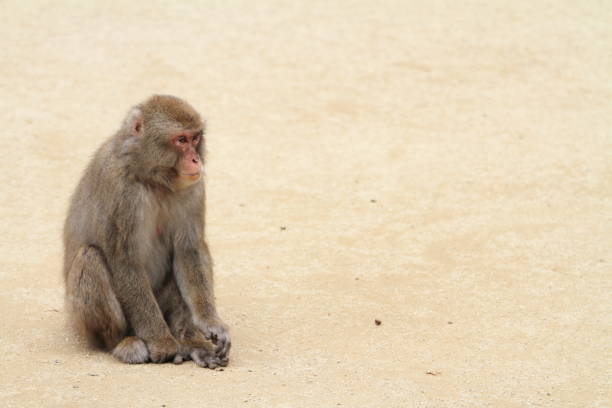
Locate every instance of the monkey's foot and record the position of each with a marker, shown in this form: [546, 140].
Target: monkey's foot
[163, 350]
[131, 350]
[204, 359]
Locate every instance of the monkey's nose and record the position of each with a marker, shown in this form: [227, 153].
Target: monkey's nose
[195, 160]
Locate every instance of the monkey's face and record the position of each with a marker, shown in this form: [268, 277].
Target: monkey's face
[164, 142]
[189, 164]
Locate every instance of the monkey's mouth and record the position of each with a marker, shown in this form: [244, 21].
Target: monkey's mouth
[191, 175]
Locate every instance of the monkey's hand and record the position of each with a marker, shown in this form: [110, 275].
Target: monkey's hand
[204, 358]
[161, 350]
[217, 332]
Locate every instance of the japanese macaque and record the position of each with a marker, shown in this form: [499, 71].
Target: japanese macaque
[138, 271]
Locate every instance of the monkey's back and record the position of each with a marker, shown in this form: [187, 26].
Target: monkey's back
[92, 204]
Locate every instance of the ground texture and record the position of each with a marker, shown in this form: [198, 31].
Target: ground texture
[444, 167]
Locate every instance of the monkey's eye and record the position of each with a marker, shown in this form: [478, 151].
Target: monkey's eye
[195, 139]
[182, 139]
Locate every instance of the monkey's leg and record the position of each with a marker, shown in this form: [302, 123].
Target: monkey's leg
[194, 345]
[95, 309]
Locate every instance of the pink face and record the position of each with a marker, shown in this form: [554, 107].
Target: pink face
[189, 165]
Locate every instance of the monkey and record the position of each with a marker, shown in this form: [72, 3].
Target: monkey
[137, 268]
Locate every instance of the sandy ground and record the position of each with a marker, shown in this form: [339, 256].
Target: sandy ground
[442, 166]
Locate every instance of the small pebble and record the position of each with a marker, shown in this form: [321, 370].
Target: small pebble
[377, 322]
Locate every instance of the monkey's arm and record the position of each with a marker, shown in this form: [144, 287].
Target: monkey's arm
[133, 290]
[193, 272]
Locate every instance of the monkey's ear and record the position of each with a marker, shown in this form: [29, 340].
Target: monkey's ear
[133, 122]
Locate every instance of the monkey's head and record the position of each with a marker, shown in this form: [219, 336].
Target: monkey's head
[162, 140]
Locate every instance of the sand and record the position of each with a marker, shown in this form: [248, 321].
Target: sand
[443, 167]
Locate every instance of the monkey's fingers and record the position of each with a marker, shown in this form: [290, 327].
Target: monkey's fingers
[220, 337]
[203, 359]
[223, 347]
[222, 344]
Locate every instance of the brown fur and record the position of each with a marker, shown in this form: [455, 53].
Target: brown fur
[136, 264]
